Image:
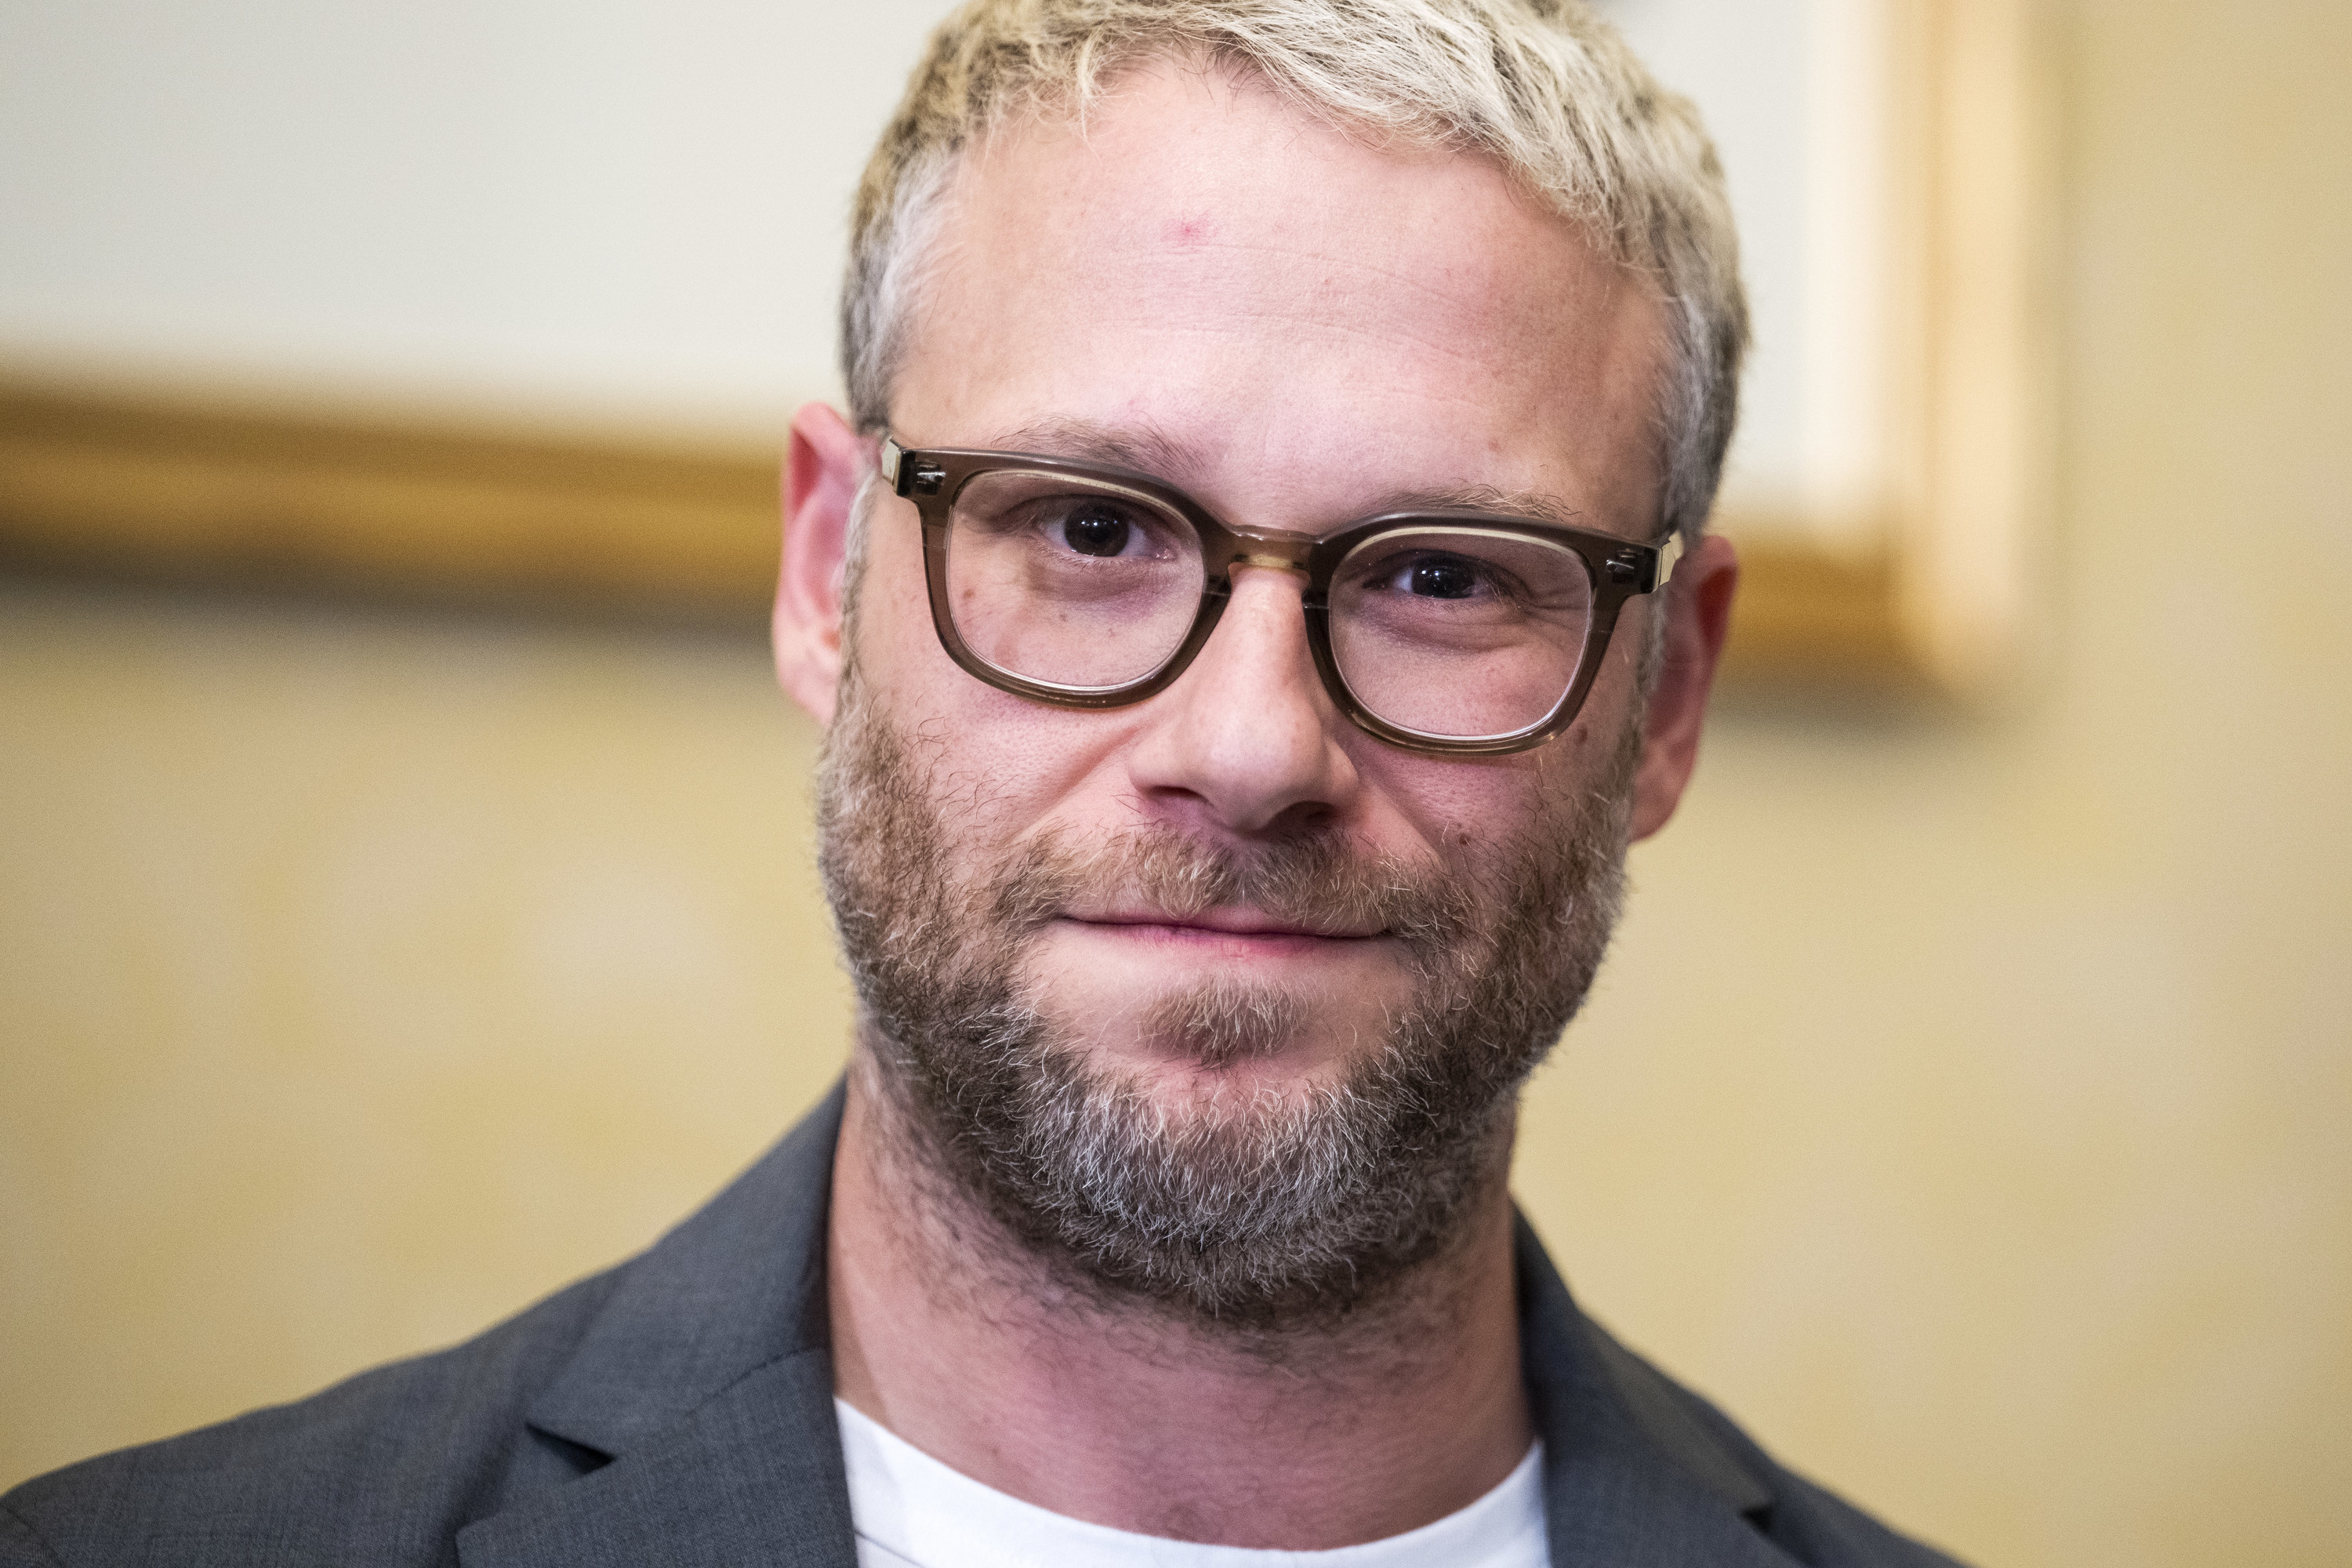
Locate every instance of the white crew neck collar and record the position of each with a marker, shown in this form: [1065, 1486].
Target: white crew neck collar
[916, 1510]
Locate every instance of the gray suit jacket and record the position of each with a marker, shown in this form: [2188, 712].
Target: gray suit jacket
[678, 1409]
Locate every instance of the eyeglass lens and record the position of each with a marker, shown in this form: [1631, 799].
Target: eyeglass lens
[1446, 630]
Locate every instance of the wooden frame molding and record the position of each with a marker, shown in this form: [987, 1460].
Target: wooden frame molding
[173, 488]
[1974, 375]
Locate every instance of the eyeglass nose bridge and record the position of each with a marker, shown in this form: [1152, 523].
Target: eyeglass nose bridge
[1272, 550]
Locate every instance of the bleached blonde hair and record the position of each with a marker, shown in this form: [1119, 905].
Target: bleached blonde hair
[1545, 87]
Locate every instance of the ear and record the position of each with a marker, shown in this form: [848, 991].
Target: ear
[1699, 614]
[822, 472]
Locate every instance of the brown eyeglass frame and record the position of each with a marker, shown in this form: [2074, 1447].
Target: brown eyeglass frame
[933, 477]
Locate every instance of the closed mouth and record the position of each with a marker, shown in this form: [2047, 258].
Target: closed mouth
[1231, 923]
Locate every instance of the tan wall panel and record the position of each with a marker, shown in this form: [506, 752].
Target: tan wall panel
[366, 978]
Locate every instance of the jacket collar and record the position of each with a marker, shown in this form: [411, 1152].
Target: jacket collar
[1637, 1471]
[706, 1381]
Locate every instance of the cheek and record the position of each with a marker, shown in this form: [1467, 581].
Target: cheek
[1466, 812]
[1451, 810]
[901, 667]
[892, 602]
[999, 765]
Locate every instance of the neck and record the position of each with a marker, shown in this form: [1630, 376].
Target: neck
[949, 1333]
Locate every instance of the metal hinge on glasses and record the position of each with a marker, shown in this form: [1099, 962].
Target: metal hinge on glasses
[920, 480]
[1626, 566]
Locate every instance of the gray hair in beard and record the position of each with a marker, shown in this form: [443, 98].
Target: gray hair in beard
[1251, 1214]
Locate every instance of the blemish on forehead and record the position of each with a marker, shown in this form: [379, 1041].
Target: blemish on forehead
[1187, 230]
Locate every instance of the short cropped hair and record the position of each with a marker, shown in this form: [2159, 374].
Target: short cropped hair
[1544, 87]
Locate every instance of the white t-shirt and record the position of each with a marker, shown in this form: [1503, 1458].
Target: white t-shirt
[912, 1512]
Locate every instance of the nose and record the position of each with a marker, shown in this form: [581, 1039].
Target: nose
[1247, 741]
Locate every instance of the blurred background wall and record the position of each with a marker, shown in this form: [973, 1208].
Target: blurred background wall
[1963, 1105]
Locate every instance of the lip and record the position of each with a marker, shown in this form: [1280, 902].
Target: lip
[1217, 923]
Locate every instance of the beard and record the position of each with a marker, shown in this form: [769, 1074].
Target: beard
[1248, 1212]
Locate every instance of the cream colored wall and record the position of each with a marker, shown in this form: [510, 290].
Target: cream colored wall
[364, 977]
[1963, 1105]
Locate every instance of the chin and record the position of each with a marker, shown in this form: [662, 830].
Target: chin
[1179, 1079]
[1216, 1034]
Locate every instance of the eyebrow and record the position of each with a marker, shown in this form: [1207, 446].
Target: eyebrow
[1148, 449]
[1144, 448]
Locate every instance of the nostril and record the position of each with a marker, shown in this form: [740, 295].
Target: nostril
[1308, 818]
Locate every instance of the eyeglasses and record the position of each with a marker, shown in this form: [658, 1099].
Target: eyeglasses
[1445, 630]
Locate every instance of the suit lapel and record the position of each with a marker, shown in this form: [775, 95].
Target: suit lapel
[747, 1477]
[1631, 1478]
[705, 1381]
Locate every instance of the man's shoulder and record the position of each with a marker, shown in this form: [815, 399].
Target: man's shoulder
[387, 1467]
[384, 1467]
[1640, 1469]
[1804, 1520]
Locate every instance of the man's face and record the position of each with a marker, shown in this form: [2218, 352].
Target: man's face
[1227, 903]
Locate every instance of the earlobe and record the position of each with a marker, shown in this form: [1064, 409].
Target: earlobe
[823, 470]
[1698, 616]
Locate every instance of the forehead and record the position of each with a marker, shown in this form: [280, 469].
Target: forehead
[1305, 322]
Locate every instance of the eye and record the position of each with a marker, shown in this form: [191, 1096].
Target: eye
[1430, 574]
[1092, 528]
[1440, 578]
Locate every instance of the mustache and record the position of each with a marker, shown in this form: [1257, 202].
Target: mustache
[1319, 882]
